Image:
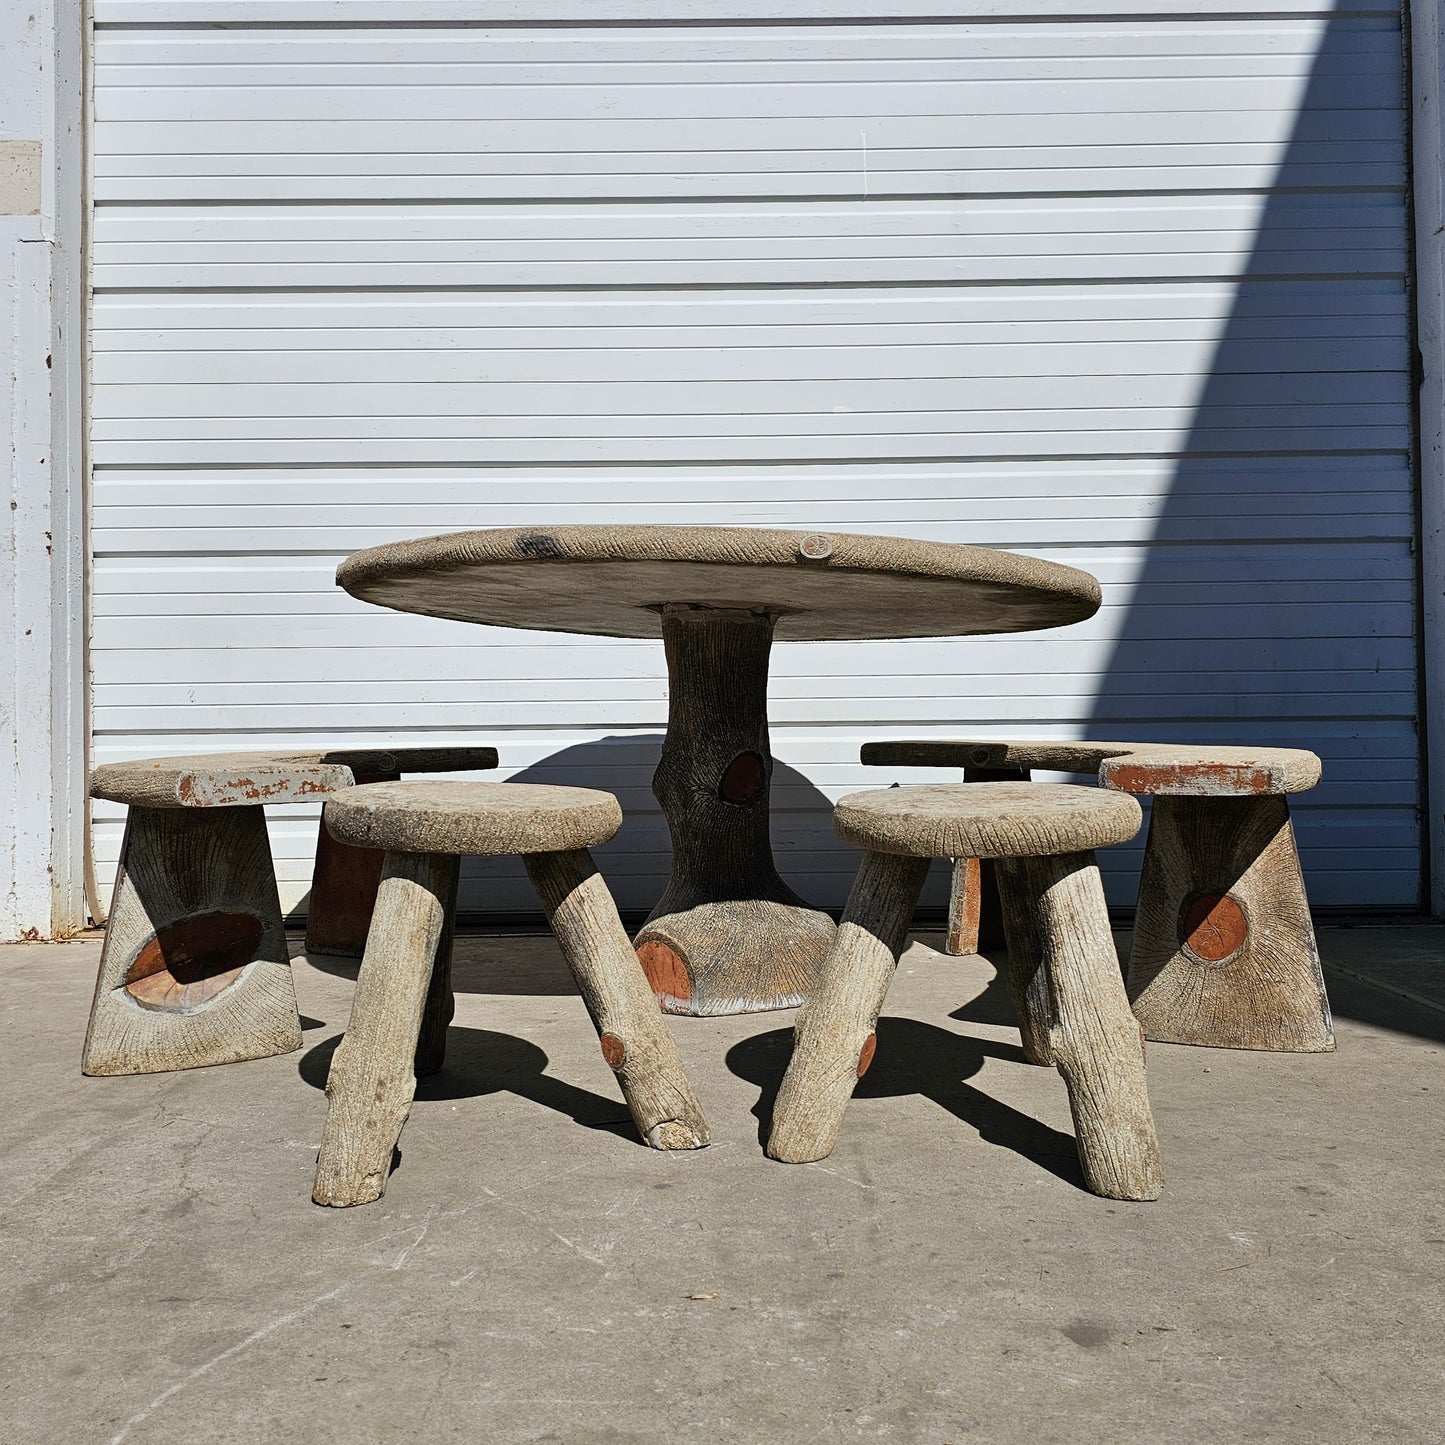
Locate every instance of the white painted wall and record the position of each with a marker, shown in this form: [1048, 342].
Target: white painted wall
[42, 769]
[41, 706]
[1120, 284]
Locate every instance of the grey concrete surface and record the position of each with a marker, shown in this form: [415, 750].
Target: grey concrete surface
[534, 1274]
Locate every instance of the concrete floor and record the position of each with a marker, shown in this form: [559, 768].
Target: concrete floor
[534, 1274]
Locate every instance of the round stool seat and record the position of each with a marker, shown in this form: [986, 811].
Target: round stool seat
[986, 820]
[481, 819]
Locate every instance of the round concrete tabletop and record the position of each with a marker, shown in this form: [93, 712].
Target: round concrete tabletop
[614, 581]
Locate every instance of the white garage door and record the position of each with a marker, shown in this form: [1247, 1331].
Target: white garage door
[1127, 290]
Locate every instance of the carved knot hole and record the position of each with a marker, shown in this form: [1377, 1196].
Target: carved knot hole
[1213, 927]
[190, 961]
[865, 1055]
[665, 971]
[614, 1051]
[743, 779]
[981, 755]
[816, 548]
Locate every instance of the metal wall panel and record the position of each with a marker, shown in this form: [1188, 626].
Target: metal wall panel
[1127, 290]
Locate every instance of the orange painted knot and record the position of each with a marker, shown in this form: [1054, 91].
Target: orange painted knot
[1213, 927]
[665, 971]
[190, 961]
[865, 1056]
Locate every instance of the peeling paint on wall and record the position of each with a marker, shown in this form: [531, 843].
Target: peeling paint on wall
[20, 177]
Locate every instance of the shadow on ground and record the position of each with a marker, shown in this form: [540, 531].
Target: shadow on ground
[480, 1062]
[919, 1058]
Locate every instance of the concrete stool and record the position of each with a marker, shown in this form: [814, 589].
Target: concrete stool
[195, 969]
[973, 900]
[403, 999]
[1224, 951]
[1069, 989]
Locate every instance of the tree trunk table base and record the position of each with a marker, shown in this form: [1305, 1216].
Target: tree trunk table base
[729, 936]
[692, 959]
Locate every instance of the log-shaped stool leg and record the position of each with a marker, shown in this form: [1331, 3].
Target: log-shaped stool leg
[1096, 1042]
[835, 1037]
[1224, 951]
[195, 969]
[1028, 983]
[373, 1075]
[635, 1039]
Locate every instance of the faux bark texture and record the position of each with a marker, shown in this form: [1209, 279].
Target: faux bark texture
[728, 936]
[635, 1039]
[964, 934]
[1096, 1042]
[373, 1073]
[194, 969]
[837, 1025]
[440, 1007]
[1224, 950]
[1066, 979]
[477, 819]
[219, 780]
[1019, 754]
[1131, 767]
[230, 780]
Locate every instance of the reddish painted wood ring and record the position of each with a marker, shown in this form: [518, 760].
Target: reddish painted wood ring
[1213, 927]
[865, 1056]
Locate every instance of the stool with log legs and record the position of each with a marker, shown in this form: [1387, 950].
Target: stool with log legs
[1224, 952]
[1066, 977]
[195, 969]
[403, 999]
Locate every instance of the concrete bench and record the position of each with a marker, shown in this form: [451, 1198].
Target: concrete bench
[403, 999]
[195, 969]
[1064, 971]
[1224, 951]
